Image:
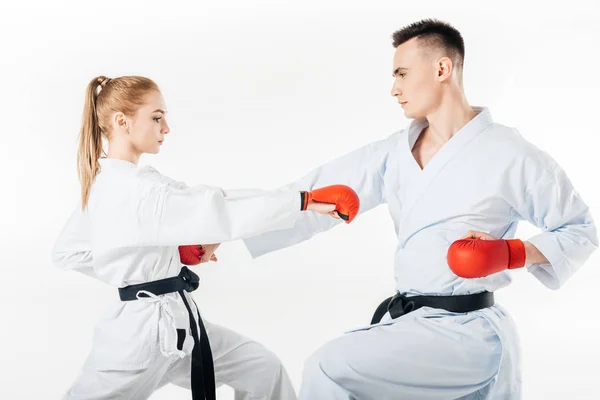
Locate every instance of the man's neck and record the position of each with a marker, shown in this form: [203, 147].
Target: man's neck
[453, 113]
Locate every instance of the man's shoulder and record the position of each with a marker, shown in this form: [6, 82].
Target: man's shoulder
[394, 136]
[505, 134]
[510, 140]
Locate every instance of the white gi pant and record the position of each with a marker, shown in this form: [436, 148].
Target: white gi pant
[425, 354]
[254, 372]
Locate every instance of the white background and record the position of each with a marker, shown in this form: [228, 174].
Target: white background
[258, 94]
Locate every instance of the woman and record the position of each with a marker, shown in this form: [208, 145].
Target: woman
[129, 231]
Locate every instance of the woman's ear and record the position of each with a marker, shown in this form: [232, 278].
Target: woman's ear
[121, 122]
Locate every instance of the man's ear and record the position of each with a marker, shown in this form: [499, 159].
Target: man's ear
[445, 68]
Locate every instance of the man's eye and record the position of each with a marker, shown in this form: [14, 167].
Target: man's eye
[402, 75]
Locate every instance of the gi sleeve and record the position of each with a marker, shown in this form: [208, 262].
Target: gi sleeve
[166, 215]
[568, 236]
[72, 249]
[362, 170]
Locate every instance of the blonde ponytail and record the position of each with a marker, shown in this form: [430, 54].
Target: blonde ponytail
[90, 141]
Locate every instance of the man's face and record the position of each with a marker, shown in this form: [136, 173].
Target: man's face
[416, 79]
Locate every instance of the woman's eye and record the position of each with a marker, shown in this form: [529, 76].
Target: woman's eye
[157, 119]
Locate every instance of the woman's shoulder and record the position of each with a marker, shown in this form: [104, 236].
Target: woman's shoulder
[152, 175]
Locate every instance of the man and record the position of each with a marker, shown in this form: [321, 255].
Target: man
[453, 174]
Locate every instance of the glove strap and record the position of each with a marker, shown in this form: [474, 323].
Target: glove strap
[304, 199]
[516, 253]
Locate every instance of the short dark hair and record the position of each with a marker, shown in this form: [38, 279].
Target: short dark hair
[434, 33]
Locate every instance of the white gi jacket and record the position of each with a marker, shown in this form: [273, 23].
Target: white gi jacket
[137, 218]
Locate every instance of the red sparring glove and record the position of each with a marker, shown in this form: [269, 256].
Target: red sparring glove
[476, 258]
[190, 254]
[345, 199]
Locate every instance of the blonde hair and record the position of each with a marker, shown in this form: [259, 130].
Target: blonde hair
[104, 97]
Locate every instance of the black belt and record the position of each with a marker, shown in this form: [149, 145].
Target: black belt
[399, 304]
[203, 372]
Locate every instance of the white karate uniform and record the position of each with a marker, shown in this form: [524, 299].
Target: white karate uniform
[487, 177]
[129, 234]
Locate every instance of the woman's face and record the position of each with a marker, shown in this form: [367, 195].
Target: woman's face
[148, 126]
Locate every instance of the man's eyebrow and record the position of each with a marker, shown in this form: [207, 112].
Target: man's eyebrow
[397, 70]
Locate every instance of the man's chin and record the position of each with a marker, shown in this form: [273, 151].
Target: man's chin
[408, 114]
[413, 115]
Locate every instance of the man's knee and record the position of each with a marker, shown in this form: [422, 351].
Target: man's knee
[326, 360]
[312, 366]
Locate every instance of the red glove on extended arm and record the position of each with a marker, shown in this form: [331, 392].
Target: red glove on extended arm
[190, 254]
[344, 197]
[476, 258]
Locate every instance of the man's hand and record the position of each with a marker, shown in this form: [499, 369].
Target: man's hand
[532, 254]
[339, 201]
[478, 235]
[478, 254]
